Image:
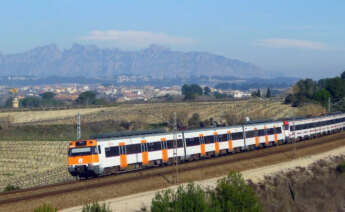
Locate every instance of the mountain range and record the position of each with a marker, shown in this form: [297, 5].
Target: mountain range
[94, 62]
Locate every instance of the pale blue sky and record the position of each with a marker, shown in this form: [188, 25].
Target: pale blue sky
[301, 38]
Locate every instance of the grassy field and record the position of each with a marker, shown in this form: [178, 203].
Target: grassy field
[33, 146]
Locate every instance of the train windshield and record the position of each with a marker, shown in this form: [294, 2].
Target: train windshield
[82, 151]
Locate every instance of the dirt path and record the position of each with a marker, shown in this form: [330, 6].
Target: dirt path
[136, 201]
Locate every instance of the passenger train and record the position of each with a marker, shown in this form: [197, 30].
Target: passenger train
[109, 154]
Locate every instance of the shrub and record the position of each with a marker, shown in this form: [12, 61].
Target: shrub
[234, 194]
[341, 167]
[10, 187]
[231, 194]
[96, 207]
[45, 208]
[187, 198]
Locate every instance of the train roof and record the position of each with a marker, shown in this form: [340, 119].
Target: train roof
[128, 134]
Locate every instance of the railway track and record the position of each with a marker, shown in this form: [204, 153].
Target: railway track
[55, 191]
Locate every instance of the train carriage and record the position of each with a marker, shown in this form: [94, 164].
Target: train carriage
[204, 142]
[259, 134]
[112, 153]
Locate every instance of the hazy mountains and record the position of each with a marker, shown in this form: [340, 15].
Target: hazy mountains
[94, 62]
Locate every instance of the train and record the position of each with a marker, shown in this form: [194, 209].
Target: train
[117, 153]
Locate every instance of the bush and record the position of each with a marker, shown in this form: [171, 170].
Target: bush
[341, 168]
[186, 198]
[234, 194]
[231, 194]
[45, 208]
[10, 187]
[95, 207]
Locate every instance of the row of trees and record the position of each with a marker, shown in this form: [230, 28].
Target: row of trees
[48, 99]
[305, 91]
[192, 91]
[258, 93]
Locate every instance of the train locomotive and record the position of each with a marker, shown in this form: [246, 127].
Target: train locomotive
[108, 154]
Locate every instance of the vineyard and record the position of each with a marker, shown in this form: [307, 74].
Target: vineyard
[32, 163]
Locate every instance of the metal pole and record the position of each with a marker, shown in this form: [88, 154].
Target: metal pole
[329, 104]
[78, 127]
[175, 145]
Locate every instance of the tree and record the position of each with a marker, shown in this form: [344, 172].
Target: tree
[207, 91]
[86, 98]
[191, 91]
[189, 198]
[231, 194]
[30, 101]
[48, 95]
[258, 93]
[268, 93]
[194, 121]
[343, 75]
[322, 96]
[234, 194]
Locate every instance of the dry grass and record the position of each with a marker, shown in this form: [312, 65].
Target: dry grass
[160, 112]
[316, 188]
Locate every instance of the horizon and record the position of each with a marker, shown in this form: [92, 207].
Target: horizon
[302, 39]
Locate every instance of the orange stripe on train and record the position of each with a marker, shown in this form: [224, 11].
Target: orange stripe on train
[86, 159]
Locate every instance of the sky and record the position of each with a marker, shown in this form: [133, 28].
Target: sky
[303, 38]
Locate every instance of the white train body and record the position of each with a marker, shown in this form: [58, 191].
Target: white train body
[110, 155]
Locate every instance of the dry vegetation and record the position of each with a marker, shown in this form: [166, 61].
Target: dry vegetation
[160, 112]
[320, 187]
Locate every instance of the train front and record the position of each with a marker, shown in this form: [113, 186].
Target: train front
[83, 158]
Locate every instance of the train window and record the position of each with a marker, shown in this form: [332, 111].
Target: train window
[193, 141]
[154, 146]
[237, 136]
[250, 134]
[112, 151]
[223, 137]
[209, 139]
[261, 132]
[279, 130]
[270, 131]
[171, 143]
[133, 148]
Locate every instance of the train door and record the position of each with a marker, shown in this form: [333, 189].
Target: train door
[123, 155]
[164, 149]
[202, 145]
[230, 146]
[144, 152]
[216, 142]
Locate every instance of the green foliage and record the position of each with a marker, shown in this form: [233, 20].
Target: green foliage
[48, 95]
[45, 208]
[194, 121]
[86, 98]
[231, 194]
[191, 91]
[341, 168]
[95, 207]
[322, 96]
[8, 102]
[219, 95]
[10, 187]
[207, 91]
[30, 101]
[187, 198]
